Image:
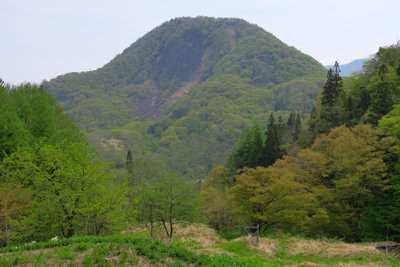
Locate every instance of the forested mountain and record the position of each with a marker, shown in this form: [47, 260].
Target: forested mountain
[200, 76]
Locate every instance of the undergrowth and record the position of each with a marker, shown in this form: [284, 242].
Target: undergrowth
[137, 249]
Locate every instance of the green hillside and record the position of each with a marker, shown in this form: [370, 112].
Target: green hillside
[182, 94]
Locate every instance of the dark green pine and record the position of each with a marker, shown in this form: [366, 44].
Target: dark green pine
[129, 162]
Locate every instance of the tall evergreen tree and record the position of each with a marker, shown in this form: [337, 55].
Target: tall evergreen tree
[298, 128]
[291, 120]
[271, 121]
[350, 111]
[129, 162]
[333, 86]
[256, 153]
[364, 103]
[271, 151]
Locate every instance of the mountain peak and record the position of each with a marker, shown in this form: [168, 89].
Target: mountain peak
[169, 61]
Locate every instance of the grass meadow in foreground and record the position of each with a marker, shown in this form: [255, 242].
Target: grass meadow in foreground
[193, 245]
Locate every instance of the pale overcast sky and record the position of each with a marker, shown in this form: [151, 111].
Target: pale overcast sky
[41, 39]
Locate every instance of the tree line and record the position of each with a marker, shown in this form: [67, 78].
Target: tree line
[338, 177]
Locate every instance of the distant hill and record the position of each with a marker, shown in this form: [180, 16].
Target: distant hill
[347, 69]
[183, 93]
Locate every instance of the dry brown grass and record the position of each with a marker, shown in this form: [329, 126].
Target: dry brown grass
[197, 234]
[310, 247]
[200, 234]
[266, 245]
[325, 249]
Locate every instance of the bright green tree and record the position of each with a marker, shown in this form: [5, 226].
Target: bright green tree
[42, 116]
[12, 131]
[16, 216]
[172, 200]
[345, 169]
[270, 197]
[391, 122]
[73, 192]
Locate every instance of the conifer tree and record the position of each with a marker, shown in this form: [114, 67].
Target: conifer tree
[297, 127]
[365, 101]
[256, 153]
[271, 151]
[350, 111]
[290, 121]
[129, 162]
[333, 86]
[271, 122]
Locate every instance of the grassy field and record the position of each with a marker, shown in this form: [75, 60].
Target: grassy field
[193, 245]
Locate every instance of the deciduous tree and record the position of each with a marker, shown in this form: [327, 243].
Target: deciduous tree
[16, 216]
[382, 86]
[345, 169]
[173, 201]
[270, 197]
[68, 186]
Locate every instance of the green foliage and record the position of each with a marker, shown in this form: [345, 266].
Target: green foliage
[12, 131]
[271, 151]
[42, 115]
[256, 153]
[344, 169]
[258, 149]
[238, 248]
[382, 222]
[171, 200]
[270, 197]
[80, 247]
[391, 122]
[73, 195]
[29, 115]
[16, 216]
[382, 86]
[216, 202]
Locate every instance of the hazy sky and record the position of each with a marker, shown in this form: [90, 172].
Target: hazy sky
[41, 39]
